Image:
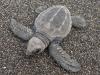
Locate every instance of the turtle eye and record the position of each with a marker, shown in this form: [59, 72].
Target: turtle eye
[38, 50]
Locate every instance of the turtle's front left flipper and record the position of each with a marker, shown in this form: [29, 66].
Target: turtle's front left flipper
[21, 31]
[62, 58]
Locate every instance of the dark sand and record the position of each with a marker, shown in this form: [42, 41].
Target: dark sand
[83, 44]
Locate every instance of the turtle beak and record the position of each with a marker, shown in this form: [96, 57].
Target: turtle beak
[37, 51]
[28, 53]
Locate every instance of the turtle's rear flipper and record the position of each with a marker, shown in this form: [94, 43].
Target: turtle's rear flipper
[20, 30]
[78, 21]
[63, 59]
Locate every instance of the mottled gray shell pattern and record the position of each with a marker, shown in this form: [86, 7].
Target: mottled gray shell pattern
[55, 22]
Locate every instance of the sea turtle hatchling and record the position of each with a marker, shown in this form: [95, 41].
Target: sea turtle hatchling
[51, 26]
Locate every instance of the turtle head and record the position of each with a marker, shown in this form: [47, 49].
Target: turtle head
[36, 44]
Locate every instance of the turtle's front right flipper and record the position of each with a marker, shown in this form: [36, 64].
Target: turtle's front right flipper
[63, 59]
[21, 31]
